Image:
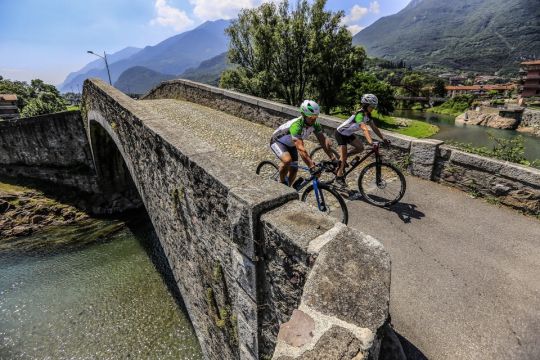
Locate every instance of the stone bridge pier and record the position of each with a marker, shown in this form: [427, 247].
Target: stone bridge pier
[245, 253]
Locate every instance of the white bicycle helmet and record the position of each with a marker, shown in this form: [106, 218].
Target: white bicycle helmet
[310, 108]
[370, 99]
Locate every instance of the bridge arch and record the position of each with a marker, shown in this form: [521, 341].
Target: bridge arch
[117, 180]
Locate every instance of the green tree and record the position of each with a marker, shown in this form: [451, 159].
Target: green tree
[20, 88]
[413, 83]
[439, 88]
[366, 83]
[333, 59]
[285, 53]
[252, 48]
[38, 98]
[45, 103]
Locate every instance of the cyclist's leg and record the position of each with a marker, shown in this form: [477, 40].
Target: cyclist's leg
[293, 169]
[285, 158]
[358, 147]
[342, 149]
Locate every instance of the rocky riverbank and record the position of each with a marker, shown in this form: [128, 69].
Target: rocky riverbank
[530, 123]
[494, 120]
[25, 212]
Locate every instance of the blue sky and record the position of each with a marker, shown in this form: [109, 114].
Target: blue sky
[48, 39]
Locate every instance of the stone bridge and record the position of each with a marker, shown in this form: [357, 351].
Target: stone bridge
[244, 251]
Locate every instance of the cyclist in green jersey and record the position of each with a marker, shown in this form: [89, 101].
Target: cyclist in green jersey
[288, 140]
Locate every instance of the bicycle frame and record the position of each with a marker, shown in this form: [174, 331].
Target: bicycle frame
[315, 180]
[374, 150]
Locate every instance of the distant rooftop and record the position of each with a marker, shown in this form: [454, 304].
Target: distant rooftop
[8, 97]
[531, 62]
[482, 87]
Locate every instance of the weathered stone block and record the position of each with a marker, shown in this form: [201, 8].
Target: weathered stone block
[422, 157]
[244, 273]
[361, 265]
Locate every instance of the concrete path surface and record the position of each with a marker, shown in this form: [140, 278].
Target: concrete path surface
[465, 273]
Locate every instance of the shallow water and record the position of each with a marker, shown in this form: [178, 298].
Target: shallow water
[104, 300]
[471, 134]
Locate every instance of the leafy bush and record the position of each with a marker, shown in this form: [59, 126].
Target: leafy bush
[38, 98]
[512, 150]
[454, 106]
[366, 83]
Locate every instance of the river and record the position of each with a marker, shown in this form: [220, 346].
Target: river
[106, 300]
[472, 134]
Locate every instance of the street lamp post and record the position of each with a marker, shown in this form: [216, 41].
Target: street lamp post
[104, 57]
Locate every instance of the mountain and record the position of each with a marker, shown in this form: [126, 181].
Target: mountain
[140, 80]
[474, 35]
[209, 71]
[78, 77]
[175, 54]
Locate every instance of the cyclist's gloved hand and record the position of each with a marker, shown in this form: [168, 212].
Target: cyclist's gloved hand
[313, 170]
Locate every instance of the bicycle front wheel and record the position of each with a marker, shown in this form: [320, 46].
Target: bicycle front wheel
[328, 201]
[381, 184]
[268, 170]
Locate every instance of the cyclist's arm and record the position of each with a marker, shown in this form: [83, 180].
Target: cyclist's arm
[376, 130]
[325, 145]
[364, 127]
[299, 143]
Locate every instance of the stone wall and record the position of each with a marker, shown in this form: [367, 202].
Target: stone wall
[52, 147]
[421, 158]
[239, 249]
[498, 181]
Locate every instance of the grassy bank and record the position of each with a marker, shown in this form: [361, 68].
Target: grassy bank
[414, 128]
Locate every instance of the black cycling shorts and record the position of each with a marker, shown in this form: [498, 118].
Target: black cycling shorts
[279, 148]
[343, 139]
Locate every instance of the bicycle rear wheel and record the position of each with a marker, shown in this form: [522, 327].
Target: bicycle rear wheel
[330, 202]
[268, 170]
[383, 189]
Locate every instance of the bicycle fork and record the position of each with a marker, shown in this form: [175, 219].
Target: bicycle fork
[319, 196]
[378, 179]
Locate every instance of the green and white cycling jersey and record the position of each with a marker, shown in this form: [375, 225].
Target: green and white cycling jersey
[293, 130]
[352, 124]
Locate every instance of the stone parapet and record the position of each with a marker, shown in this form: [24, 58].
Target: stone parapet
[499, 181]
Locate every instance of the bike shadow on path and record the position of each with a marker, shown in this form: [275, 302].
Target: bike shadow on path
[411, 351]
[404, 211]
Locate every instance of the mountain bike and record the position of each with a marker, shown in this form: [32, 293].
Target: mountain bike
[380, 183]
[318, 194]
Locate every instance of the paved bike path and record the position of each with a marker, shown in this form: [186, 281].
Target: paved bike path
[465, 273]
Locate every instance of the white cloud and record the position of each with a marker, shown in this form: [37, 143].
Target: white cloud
[357, 13]
[354, 29]
[170, 16]
[223, 9]
[374, 7]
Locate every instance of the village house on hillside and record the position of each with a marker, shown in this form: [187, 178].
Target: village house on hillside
[530, 72]
[8, 107]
